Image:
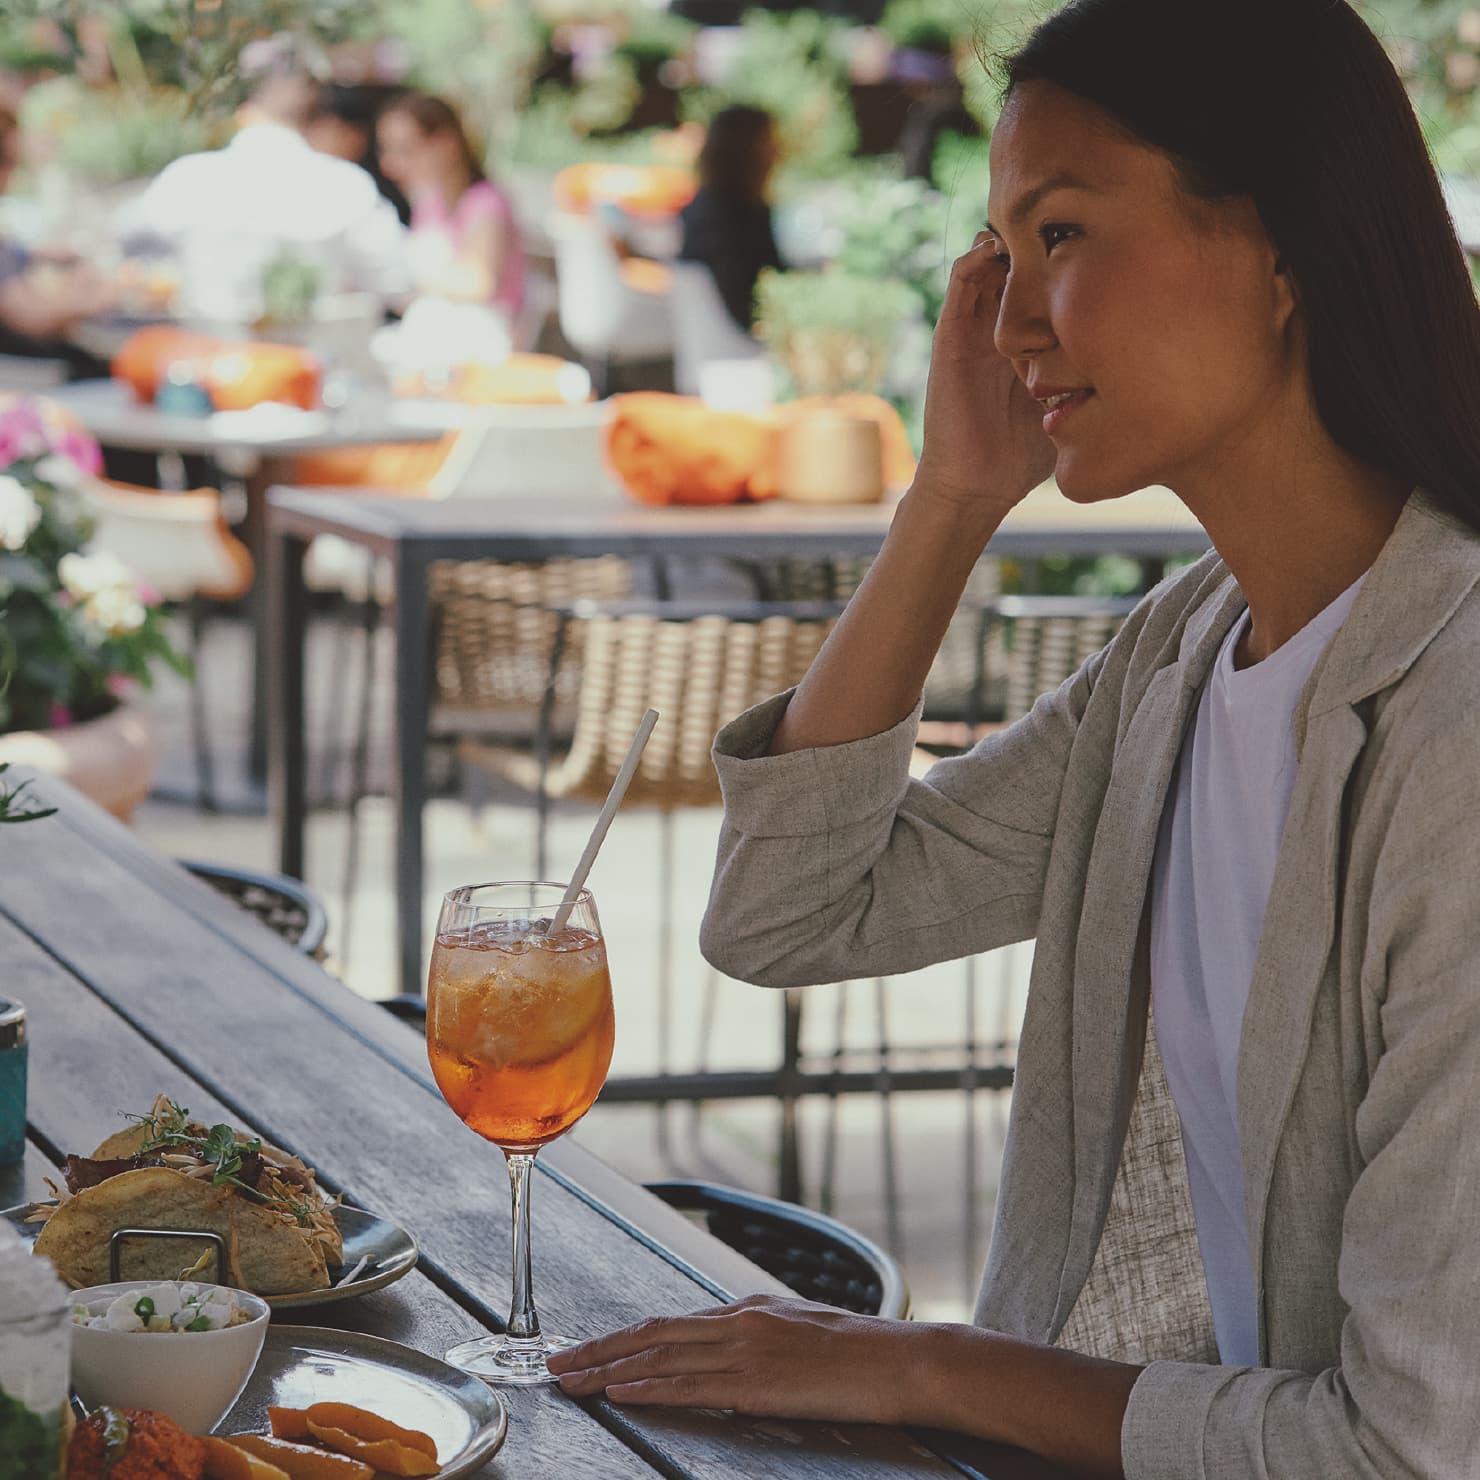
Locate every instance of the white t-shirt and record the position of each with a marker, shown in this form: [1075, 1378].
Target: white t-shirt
[1215, 859]
[230, 212]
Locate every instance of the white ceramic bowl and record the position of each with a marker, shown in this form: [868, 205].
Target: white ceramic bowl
[191, 1376]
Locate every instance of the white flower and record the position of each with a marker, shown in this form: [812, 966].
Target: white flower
[116, 610]
[85, 576]
[60, 472]
[19, 513]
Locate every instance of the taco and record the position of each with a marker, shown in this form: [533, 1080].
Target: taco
[169, 1171]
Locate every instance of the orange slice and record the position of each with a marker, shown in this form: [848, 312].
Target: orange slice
[226, 1462]
[363, 1424]
[300, 1462]
[385, 1455]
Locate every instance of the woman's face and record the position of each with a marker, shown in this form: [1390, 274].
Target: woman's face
[409, 157]
[1164, 315]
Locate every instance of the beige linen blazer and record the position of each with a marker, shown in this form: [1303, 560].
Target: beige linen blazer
[1359, 1068]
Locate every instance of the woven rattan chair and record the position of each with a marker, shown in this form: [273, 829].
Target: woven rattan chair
[495, 627]
[699, 665]
[285, 906]
[812, 1254]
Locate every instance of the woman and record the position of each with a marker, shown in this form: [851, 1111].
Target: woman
[1238, 1233]
[727, 225]
[465, 243]
[342, 123]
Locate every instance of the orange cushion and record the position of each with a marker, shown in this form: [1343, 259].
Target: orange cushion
[652, 190]
[238, 375]
[675, 450]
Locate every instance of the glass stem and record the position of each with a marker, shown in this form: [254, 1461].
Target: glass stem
[524, 1324]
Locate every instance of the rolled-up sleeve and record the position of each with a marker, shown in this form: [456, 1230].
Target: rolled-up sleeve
[833, 863]
[1401, 1403]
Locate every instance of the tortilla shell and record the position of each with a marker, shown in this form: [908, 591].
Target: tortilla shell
[268, 1254]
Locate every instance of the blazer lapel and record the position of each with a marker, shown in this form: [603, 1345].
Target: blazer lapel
[1294, 945]
[1110, 993]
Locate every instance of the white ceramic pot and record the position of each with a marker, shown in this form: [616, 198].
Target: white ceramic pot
[112, 759]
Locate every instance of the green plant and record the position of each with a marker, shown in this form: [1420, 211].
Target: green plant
[792, 66]
[653, 37]
[833, 331]
[105, 135]
[75, 630]
[929, 25]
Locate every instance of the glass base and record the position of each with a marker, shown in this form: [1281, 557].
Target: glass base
[508, 1360]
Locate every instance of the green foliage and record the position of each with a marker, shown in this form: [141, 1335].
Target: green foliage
[656, 36]
[74, 628]
[832, 331]
[792, 66]
[103, 136]
[12, 801]
[929, 25]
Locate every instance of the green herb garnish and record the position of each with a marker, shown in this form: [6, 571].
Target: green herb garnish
[144, 1309]
[28, 1446]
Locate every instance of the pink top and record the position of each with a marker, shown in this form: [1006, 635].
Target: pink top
[481, 201]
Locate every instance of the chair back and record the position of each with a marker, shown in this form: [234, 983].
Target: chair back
[285, 906]
[699, 671]
[703, 331]
[813, 1254]
[534, 451]
[177, 544]
[1045, 640]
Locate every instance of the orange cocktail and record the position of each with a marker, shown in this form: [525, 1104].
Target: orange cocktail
[519, 1034]
[519, 1027]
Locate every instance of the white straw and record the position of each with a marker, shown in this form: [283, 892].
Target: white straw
[604, 821]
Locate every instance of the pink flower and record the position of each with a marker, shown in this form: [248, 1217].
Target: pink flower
[60, 716]
[83, 451]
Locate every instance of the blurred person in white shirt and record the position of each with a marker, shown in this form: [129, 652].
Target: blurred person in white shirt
[230, 214]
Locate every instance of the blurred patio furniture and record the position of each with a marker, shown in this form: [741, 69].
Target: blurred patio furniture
[607, 319]
[413, 534]
[814, 1255]
[285, 906]
[22, 373]
[705, 337]
[180, 546]
[247, 449]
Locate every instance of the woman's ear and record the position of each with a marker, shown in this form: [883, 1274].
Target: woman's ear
[1287, 293]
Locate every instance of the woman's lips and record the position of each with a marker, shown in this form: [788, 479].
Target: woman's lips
[1062, 410]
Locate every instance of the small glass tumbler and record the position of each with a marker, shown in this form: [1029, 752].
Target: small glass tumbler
[12, 1082]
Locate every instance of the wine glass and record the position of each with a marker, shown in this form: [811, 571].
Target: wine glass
[519, 1034]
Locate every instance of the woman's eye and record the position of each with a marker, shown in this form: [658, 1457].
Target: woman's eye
[1055, 234]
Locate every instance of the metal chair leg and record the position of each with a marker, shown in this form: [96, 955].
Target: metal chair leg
[886, 1112]
[665, 973]
[359, 783]
[828, 1183]
[205, 778]
[789, 1169]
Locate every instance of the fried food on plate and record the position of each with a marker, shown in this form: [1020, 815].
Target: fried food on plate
[226, 1462]
[385, 1455]
[130, 1444]
[302, 1461]
[169, 1171]
[359, 1423]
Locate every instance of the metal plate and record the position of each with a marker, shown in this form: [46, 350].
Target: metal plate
[389, 1251]
[307, 1364]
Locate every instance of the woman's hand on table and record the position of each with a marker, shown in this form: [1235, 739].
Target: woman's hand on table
[765, 1356]
[791, 1359]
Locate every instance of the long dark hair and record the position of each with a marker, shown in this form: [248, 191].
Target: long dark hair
[437, 116]
[730, 162]
[1295, 104]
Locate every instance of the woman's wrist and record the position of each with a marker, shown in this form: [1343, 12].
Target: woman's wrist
[968, 519]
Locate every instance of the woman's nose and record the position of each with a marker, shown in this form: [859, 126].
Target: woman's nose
[1023, 326]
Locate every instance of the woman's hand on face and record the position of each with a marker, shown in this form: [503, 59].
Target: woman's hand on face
[984, 437]
[764, 1356]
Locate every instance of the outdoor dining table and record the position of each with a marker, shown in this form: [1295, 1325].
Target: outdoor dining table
[411, 534]
[249, 446]
[140, 980]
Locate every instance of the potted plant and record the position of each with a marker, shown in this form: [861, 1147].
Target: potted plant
[77, 635]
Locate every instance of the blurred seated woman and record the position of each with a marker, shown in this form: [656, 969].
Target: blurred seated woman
[727, 225]
[43, 294]
[465, 244]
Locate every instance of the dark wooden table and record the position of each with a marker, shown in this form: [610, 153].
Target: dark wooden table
[139, 979]
[412, 533]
